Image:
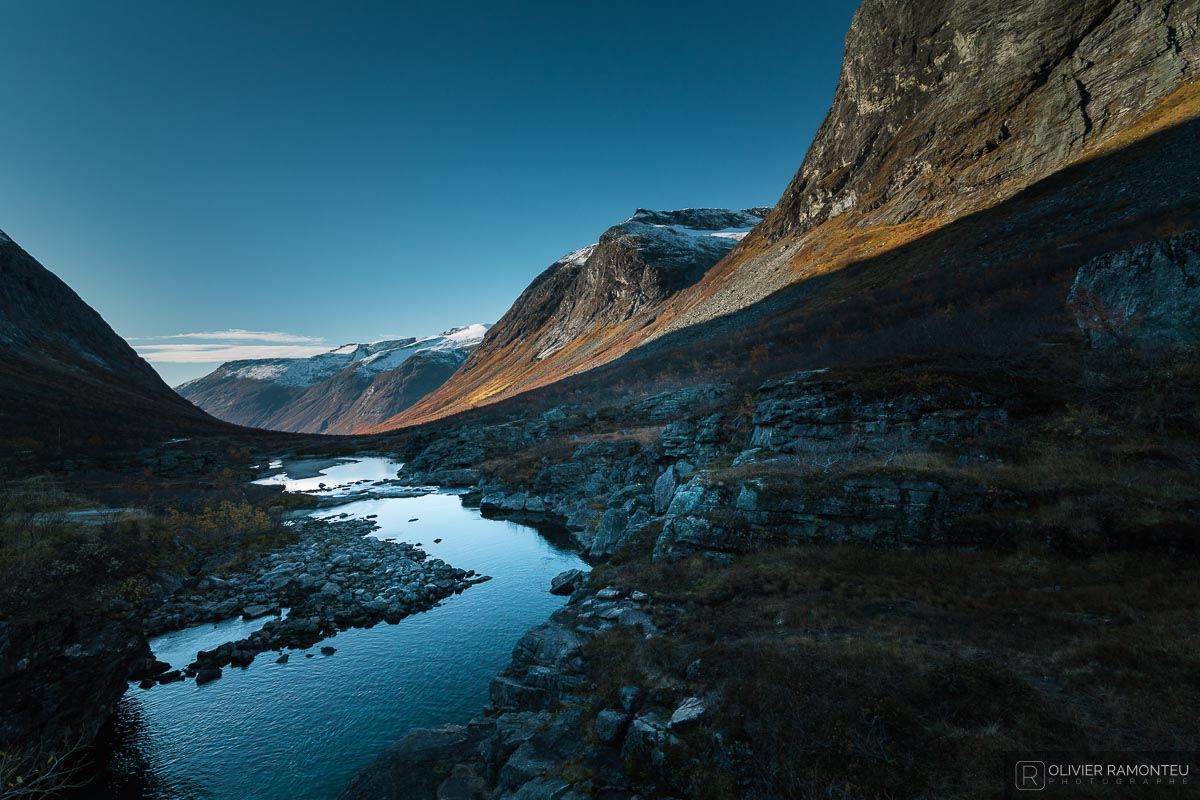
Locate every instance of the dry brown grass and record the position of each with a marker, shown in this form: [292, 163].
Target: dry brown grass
[855, 673]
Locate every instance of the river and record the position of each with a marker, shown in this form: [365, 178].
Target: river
[303, 729]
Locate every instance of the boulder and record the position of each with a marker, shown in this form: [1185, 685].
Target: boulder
[631, 697]
[612, 530]
[664, 489]
[1148, 295]
[565, 583]
[525, 764]
[689, 711]
[610, 725]
[207, 675]
[256, 611]
[456, 477]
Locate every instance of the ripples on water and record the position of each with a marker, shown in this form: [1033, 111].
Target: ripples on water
[304, 728]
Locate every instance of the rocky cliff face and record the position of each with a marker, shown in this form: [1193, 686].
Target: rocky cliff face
[948, 108]
[343, 391]
[942, 107]
[1148, 295]
[942, 110]
[571, 309]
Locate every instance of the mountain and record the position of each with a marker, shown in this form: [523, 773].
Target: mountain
[67, 380]
[342, 391]
[943, 111]
[570, 310]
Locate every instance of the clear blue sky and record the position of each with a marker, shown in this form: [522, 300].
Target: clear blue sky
[336, 172]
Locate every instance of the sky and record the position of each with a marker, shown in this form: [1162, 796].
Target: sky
[229, 179]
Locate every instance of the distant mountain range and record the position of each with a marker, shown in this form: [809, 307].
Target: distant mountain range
[635, 264]
[345, 390]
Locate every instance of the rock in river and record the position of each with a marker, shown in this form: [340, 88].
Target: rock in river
[564, 583]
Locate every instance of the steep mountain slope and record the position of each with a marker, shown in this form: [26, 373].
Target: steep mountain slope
[629, 272]
[930, 125]
[931, 122]
[342, 391]
[66, 378]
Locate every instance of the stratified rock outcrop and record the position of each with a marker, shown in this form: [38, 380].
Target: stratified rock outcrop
[948, 105]
[1148, 295]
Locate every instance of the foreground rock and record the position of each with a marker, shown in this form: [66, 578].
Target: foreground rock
[567, 582]
[333, 578]
[65, 675]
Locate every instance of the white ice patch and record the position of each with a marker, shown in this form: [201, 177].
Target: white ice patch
[736, 234]
[260, 372]
[577, 257]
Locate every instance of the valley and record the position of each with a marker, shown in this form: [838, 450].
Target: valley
[864, 494]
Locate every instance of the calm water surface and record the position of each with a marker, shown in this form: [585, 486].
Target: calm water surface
[304, 728]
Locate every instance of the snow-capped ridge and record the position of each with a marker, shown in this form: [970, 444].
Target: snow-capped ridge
[455, 340]
[370, 357]
[577, 257]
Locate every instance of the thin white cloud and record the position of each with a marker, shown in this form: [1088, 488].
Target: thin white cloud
[200, 353]
[237, 335]
[234, 344]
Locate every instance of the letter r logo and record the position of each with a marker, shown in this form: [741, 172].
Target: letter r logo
[1031, 776]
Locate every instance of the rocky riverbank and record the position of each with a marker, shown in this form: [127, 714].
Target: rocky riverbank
[334, 577]
[795, 529]
[539, 737]
[806, 458]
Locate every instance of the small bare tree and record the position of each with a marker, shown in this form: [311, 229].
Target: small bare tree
[42, 771]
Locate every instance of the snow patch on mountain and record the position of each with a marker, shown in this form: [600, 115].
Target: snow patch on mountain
[577, 257]
[371, 358]
[736, 234]
[453, 344]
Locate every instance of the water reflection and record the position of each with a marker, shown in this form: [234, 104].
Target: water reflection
[303, 728]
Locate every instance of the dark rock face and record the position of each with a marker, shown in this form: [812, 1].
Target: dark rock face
[943, 104]
[1148, 295]
[809, 414]
[60, 680]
